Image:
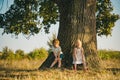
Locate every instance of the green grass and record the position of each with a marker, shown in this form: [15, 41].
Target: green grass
[105, 54]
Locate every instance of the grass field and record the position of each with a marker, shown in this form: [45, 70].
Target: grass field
[27, 70]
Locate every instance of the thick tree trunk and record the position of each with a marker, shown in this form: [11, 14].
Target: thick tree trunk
[77, 20]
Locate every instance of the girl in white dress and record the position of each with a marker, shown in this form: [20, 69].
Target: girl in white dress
[78, 55]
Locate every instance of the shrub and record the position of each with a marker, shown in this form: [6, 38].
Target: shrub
[0, 54]
[38, 54]
[19, 54]
[7, 54]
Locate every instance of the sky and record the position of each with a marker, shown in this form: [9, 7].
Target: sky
[40, 40]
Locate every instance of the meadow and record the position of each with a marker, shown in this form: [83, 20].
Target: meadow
[27, 69]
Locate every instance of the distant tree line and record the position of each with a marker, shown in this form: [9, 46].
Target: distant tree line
[9, 54]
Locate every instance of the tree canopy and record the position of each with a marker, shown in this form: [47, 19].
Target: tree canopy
[30, 16]
[105, 19]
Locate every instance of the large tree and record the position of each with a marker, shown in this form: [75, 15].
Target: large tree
[77, 19]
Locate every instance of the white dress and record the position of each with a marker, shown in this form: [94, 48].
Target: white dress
[78, 56]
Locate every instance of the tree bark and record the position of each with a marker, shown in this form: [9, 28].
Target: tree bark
[77, 20]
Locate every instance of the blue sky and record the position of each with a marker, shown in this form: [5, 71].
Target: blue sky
[40, 40]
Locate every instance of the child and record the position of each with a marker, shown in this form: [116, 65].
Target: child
[78, 55]
[56, 49]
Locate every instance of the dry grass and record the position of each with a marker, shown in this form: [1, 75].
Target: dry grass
[27, 70]
[113, 63]
[24, 64]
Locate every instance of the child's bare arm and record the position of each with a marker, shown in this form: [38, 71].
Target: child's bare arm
[59, 54]
[74, 53]
[55, 54]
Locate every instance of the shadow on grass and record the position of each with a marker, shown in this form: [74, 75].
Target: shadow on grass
[8, 73]
[16, 70]
[114, 70]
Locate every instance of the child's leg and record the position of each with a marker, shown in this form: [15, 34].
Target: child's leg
[59, 63]
[84, 66]
[75, 67]
[54, 62]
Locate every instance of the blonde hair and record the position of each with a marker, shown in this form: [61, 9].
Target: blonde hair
[78, 42]
[56, 41]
